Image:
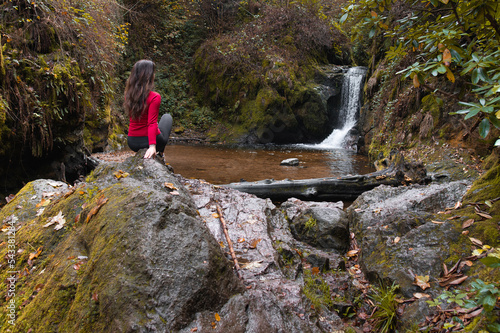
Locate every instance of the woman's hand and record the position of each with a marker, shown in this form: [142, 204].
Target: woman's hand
[151, 152]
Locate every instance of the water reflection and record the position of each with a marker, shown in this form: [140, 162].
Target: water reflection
[222, 165]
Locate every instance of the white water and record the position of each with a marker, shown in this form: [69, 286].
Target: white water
[350, 104]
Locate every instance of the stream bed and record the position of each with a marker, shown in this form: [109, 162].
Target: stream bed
[223, 165]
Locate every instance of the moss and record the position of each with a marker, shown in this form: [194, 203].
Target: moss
[486, 188]
[317, 290]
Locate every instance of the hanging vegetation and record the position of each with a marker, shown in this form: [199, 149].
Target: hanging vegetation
[56, 70]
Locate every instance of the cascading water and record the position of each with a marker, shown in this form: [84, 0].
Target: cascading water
[349, 107]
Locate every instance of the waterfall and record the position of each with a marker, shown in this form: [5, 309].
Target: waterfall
[349, 107]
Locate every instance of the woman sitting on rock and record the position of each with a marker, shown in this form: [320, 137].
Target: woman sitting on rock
[142, 105]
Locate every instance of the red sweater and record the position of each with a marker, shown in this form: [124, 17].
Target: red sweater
[147, 124]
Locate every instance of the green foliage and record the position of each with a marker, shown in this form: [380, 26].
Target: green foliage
[310, 224]
[57, 60]
[481, 294]
[459, 40]
[385, 314]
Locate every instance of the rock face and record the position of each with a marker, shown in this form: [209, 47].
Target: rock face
[130, 257]
[320, 224]
[138, 249]
[395, 230]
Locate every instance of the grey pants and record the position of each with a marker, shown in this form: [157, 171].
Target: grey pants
[139, 142]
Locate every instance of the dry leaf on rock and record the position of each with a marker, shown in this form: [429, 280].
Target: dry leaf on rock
[422, 281]
[102, 200]
[352, 253]
[170, 186]
[58, 220]
[54, 184]
[44, 202]
[476, 241]
[253, 264]
[254, 243]
[486, 216]
[121, 174]
[467, 223]
[35, 254]
[217, 317]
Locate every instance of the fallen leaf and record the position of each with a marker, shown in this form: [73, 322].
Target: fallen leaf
[422, 281]
[100, 202]
[35, 254]
[10, 198]
[467, 223]
[476, 242]
[194, 329]
[43, 203]
[454, 217]
[217, 317]
[55, 184]
[253, 264]
[121, 174]
[486, 216]
[40, 211]
[222, 244]
[170, 186]
[352, 253]
[315, 271]
[437, 222]
[421, 295]
[76, 266]
[254, 243]
[458, 281]
[241, 240]
[174, 192]
[215, 215]
[58, 220]
[396, 240]
[95, 297]
[458, 205]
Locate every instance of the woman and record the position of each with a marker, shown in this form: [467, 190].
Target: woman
[142, 105]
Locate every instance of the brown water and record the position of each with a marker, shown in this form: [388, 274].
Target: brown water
[223, 165]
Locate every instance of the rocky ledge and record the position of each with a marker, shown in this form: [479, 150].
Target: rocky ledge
[137, 248]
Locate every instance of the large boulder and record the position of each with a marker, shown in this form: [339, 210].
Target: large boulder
[273, 264]
[320, 224]
[401, 234]
[124, 253]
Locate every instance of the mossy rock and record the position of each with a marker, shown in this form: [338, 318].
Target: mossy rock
[130, 255]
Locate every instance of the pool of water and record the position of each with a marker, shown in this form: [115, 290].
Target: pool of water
[223, 165]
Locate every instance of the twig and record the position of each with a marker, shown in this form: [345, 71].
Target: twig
[229, 243]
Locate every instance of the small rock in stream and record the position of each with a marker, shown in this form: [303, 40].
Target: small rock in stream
[290, 162]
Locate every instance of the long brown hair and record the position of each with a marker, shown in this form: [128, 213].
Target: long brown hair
[139, 84]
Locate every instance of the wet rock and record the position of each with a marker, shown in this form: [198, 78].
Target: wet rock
[133, 255]
[290, 162]
[272, 261]
[320, 224]
[398, 240]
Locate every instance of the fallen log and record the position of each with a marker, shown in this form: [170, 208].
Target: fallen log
[346, 188]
